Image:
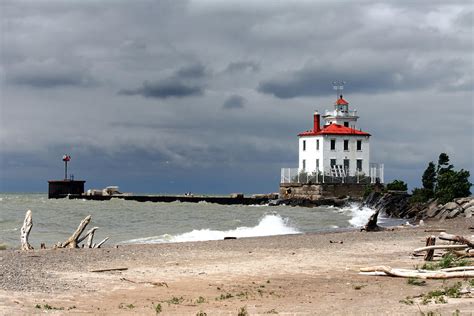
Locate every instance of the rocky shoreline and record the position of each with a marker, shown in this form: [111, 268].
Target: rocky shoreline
[396, 204]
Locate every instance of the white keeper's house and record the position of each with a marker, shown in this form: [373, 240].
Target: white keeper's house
[335, 152]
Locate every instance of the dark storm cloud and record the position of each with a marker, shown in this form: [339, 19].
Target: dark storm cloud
[234, 102]
[50, 73]
[185, 82]
[192, 71]
[164, 89]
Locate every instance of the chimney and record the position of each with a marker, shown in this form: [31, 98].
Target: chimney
[316, 126]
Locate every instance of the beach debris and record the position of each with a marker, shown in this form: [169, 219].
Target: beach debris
[109, 269]
[430, 241]
[71, 242]
[25, 231]
[145, 282]
[371, 225]
[463, 243]
[449, 273]
[227, 238]
[435, 230]
[336, 242]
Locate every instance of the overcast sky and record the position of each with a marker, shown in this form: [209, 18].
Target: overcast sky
[209, 96]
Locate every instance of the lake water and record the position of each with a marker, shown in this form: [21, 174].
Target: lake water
[148, 222]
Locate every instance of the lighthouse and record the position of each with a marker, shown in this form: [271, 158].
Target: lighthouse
[337, 146]
[334, 151]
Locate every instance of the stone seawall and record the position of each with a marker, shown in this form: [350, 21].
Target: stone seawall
[314, 192]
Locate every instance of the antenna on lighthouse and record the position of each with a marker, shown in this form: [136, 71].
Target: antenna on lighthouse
[338, 85]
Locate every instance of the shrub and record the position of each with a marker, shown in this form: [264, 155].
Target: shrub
[397, 185]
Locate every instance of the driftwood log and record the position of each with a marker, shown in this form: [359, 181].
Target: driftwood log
[430, 241]
[73, 240]
[456, 238]
[371, 225]
[449, 247]
[467, 272]
[25, 231]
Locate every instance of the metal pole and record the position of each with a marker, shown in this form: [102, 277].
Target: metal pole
[65, 170]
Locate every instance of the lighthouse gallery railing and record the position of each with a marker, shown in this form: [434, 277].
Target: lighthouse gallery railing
[335, 175]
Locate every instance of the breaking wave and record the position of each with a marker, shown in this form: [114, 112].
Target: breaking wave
[269, 225]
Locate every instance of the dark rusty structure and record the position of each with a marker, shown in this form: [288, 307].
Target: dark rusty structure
[62, 188]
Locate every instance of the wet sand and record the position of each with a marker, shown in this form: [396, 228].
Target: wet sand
[308, 274]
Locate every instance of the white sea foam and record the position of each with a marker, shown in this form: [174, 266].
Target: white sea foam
[359, 214]
[269, 225]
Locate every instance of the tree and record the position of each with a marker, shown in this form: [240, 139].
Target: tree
[443, 164]
[453, 184]
[397, 185]
[429, 177]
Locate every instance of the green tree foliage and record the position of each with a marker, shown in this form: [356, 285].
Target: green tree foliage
[429, 177]
[397, 185]
[442, 182]
[453, 184]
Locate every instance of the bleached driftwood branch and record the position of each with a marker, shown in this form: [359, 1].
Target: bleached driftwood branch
[467, 272]
[456, 238]
[72, 241]
[25, 231]
[101, 243]
[451, 247]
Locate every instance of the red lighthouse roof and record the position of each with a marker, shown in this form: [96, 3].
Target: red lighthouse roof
[341, 101]
[335, 129]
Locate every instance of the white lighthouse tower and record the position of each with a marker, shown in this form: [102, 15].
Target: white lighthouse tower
[334, 150]
[337, 147]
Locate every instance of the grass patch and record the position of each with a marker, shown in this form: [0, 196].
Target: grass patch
[243, 295]
[408, 301]
[358, 286]
[224, 297]
[201, 313]
[439, 296]
[175, 300]
[471, 282]
[447, 261]
[272, 311]
[200, 300]
[415, 281]
[3, 247]
[243, 311]
[129, 306]
[158, 309]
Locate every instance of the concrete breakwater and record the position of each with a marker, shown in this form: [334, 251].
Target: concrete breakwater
[233, 199]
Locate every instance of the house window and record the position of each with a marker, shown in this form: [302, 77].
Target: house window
[317, 164]
[317, 144]
[333, 144]
[333, 162]
[304, 145]
[359, 164]
[359, 145]
[346, 144]
[346, 124]
[346, 164]
[304, 164]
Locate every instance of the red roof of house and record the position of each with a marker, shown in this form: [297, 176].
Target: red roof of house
[341, 101]
[335, 129]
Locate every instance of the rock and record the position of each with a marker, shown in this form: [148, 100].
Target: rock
[467, 204]
[454, 213]
[451, 206]
[432, 209]
[237, 195]
[442, 213]
[464, 200]
[469, 211]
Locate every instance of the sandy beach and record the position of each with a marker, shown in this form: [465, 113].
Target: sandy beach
[307, 274]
